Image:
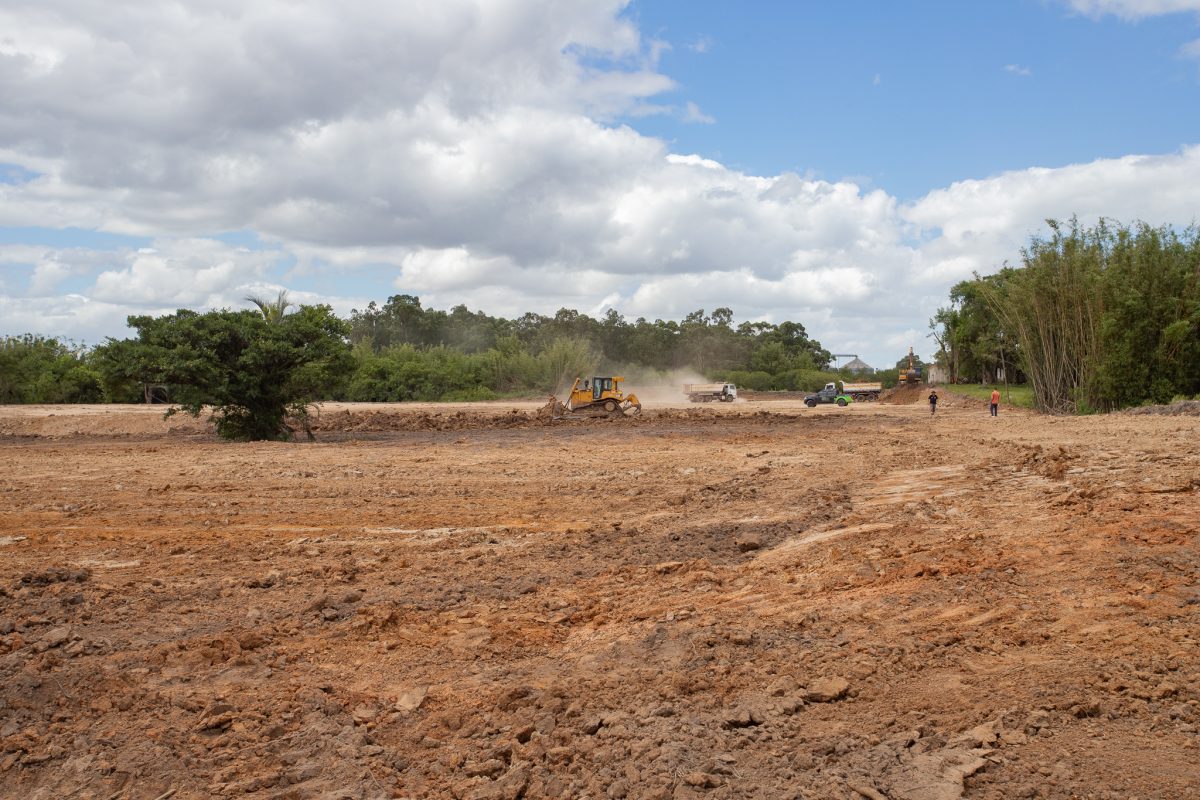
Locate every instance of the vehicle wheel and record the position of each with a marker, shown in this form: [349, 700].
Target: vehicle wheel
[610, 406]
[841, 401]
[810, 403]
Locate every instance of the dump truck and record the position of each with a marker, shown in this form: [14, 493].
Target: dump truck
[708, 392]
[830, 394]
[602, 393]
[861, 392]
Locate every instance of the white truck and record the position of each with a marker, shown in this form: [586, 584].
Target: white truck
[707, 392]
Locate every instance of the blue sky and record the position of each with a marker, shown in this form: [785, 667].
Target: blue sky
[914, 96]
[839, 164]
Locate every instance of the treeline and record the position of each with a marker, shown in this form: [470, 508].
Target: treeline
[469, 355]
[37, 369]
[1096, 318]
[401, 351]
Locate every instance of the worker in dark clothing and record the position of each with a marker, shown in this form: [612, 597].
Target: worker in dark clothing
[933, 402]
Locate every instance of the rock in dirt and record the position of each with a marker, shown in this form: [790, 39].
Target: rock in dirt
[743, 718]
[862, 789]
[364, 714]
[938, 775]
[217, 717]
[55, 637]
[488, 769]
[55, 575]
[591, 725]
[412, 699]
[980, 736]
[826, 690]
[510, 786]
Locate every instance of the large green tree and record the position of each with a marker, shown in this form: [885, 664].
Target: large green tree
[257, 376]
[973, 344]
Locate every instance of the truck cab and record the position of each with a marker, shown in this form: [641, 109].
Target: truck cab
[830, 394]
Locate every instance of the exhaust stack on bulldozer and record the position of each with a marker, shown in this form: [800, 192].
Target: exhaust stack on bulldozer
[602, 394]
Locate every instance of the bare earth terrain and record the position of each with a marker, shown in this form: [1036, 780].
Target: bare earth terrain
[755, 600]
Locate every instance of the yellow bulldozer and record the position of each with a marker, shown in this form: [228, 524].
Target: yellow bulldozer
[602, 394]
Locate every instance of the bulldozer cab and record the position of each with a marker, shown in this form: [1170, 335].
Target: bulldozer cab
[600, 386]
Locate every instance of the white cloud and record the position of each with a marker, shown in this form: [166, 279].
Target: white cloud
[1133, 9]
[1017, 69]
[70, 316]
[463, 150]
[692, 113]
[1191, 49]
[181, 273]
[701, 44]
[978, 224]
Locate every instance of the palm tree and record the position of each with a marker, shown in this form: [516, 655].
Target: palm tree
[272, 310]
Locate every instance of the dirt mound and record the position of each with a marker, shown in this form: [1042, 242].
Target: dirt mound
[918, 394]
[1184, 408]
[378, 421]
[553, 409]
[552, 413]
[906, 394]
[63, 421]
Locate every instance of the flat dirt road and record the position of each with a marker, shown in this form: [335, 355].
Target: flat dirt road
[755, 601]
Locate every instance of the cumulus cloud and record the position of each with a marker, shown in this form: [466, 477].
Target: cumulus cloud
[181, 273]
[462, 150]
[1133, 9]
[976, 225]
[692, 113]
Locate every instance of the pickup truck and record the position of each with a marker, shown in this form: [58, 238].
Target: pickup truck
[707, 392]
[842, 393]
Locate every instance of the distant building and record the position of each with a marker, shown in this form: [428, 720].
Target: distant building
[937, 374]
[859, 366]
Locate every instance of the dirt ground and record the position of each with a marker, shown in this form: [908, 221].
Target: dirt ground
[748, 601]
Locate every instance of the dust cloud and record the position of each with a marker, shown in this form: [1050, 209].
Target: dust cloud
[661, 388]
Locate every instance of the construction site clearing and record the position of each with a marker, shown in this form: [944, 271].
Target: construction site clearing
[494, 601]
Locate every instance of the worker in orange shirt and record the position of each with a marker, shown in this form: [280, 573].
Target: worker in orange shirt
[995, 402]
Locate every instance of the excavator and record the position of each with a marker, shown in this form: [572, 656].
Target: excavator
[913, 373]
[602, 393]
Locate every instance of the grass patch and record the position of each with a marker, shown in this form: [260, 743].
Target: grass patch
[1018, 394]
